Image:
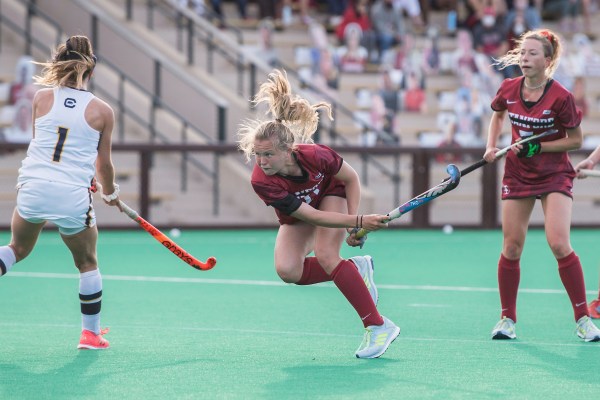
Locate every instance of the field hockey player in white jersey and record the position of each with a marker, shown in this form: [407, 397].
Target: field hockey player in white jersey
[71, 144]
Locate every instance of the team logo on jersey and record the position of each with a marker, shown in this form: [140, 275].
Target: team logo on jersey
[307, 195]
[70, 102]
[505, 190]
[531, 123]
[546, 112]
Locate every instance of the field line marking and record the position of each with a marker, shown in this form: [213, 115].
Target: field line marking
[250, 282]
[237, 331]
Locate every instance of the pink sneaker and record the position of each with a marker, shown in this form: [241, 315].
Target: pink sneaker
[89, 340]
[594, 309]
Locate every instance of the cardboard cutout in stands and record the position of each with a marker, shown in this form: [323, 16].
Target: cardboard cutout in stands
[15, 116]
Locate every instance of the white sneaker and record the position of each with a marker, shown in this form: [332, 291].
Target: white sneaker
[504, 329]
[365, 267]
[377, 339]
[587, 330]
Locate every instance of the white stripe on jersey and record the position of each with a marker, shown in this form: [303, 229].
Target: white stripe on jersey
[65, 147]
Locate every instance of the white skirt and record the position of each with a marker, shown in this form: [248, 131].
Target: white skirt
[68, 207]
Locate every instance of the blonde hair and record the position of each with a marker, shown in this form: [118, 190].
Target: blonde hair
[72, 63]
[295, 119]
[550, 43]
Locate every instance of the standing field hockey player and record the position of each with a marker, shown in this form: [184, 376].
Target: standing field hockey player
[71, 143]
[314, 193]
[589, 163]
[538, 169]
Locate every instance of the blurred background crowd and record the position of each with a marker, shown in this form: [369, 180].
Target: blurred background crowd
[399, 46]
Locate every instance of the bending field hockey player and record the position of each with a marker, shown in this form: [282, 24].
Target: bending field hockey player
[315, 194]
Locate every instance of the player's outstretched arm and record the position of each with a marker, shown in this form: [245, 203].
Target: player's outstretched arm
[330, 219]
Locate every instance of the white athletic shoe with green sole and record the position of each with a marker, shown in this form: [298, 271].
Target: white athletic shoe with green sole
[365, 267]
[587, 330]
[377, 339]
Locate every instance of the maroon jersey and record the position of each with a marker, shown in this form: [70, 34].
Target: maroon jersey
[319, 165]
[545, 172]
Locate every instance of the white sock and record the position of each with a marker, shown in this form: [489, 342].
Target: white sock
[90, 297]
[7, 259]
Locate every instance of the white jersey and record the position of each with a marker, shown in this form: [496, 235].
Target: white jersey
[65, 147]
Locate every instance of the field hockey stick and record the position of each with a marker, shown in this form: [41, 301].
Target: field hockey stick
[505, 150]
[590, 172]
[438, 190]
[165, 240]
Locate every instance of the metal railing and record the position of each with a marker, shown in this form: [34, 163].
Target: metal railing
[247, 66]
[422, 158]
[26, 32]
[124, 79]
[123, 108]
[420, 176]
[196, 28]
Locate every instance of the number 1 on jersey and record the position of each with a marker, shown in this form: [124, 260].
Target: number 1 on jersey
[62, 136]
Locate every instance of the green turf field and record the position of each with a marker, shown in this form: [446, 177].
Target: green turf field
[237, 332]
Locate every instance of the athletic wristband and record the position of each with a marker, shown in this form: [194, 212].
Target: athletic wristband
[110, 197]
[357, 226]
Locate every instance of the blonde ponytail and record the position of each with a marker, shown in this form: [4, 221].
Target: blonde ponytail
[295, 119]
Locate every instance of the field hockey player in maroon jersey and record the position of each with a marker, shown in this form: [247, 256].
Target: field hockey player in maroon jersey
[315, 194]
[538, 169]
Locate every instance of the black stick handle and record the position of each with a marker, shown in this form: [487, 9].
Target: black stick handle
[473, 167]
